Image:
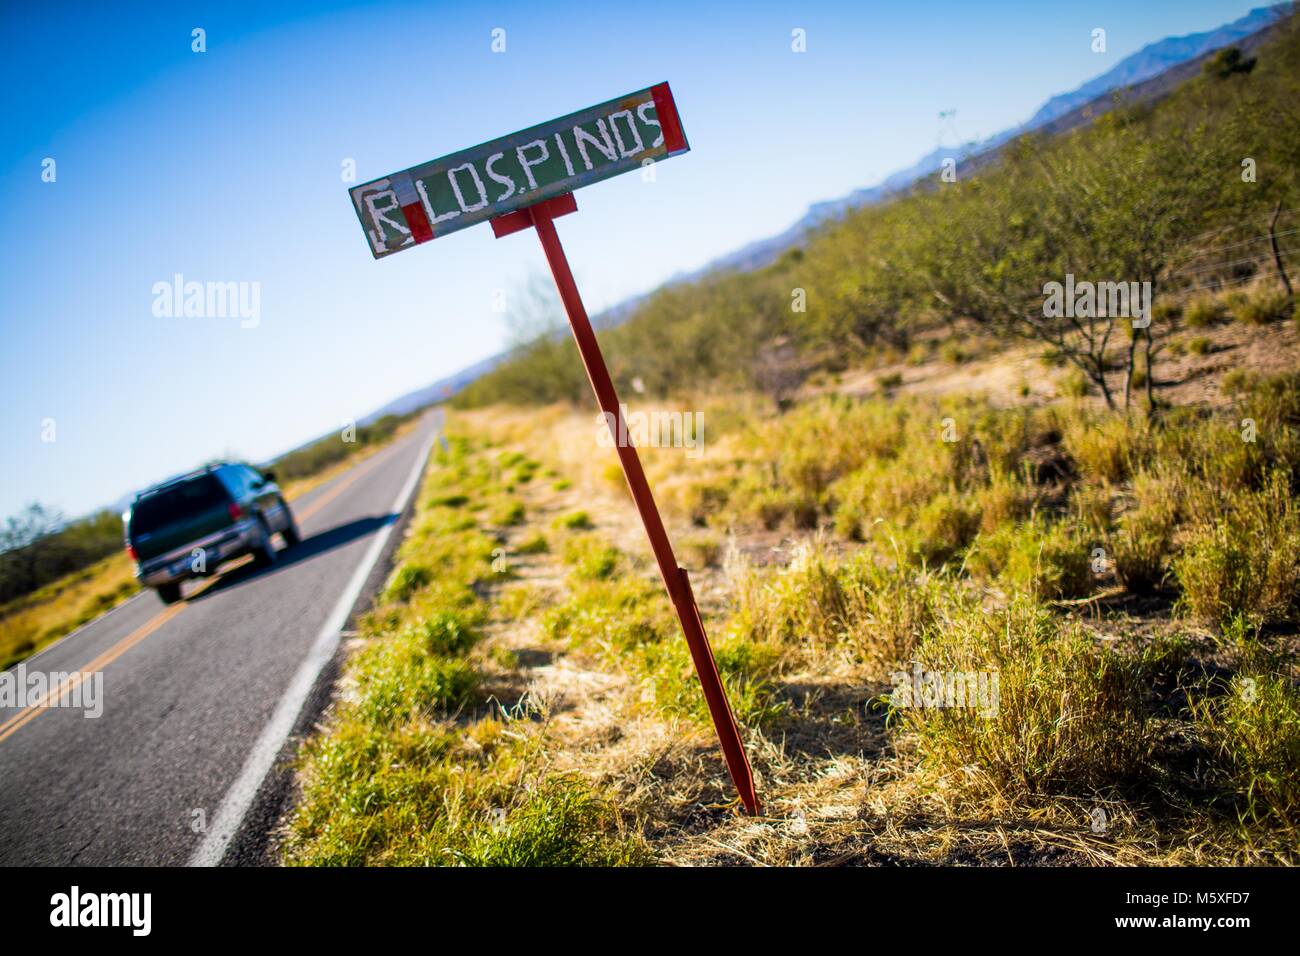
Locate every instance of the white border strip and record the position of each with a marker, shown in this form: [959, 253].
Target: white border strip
[234, 806]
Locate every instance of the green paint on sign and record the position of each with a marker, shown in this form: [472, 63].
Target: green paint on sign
[544, 161]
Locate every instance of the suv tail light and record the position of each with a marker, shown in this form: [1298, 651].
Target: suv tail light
[236, 512]
[130, 552]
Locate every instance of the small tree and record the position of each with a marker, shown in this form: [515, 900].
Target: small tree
[24, 542]
[1115, 213]
[1227, 62]
[779, 370]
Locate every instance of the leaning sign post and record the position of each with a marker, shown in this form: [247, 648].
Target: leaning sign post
[526, 180]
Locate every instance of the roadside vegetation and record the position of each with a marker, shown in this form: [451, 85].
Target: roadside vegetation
[425, 758]
[315, 459]
[56, 575]
[1134, 585]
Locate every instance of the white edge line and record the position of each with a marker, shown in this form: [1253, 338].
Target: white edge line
[234, 805]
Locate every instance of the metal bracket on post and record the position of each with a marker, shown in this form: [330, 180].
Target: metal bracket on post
[676, 581]
[522, 219]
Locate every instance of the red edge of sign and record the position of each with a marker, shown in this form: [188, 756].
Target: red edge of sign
[421, 231]
[666, 107]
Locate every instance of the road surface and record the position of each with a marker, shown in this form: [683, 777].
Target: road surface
[186, 761]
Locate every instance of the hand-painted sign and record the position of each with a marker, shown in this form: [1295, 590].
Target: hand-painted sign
[536, 164]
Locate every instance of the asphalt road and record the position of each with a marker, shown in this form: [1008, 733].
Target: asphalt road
[186, 762]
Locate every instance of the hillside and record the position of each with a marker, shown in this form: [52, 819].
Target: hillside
[1142, 77]
[1048, 204]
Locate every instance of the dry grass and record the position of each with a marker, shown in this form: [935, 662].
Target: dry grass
[836, 550]
[32, 622]
[1091, 762]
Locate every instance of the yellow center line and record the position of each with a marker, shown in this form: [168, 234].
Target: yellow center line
[26, 716]
[328, 496]
[31, 711]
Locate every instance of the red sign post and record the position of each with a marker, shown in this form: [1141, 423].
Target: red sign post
[541, 217]
[412, 207]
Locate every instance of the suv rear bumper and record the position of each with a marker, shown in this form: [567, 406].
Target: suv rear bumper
[178, 565]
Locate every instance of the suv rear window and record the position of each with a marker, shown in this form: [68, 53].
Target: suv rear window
[176, 502]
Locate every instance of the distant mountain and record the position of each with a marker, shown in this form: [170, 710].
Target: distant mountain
[1056, 115]
[444, 388]
[439, 391]
[1153, 59]
[1146, 75]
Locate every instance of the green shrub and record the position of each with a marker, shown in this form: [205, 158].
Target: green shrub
[1245, 560]
[1054, 358]
[398, 680]
[1238, 380]
[1166, 312]
[614, 617]
[1003, 500]
[406, 580]
[1066, 715]
[952, 352]
[1104, 447]
[445, 633]
[1034, 558]
[803, 603]
[1141, 549]
[1202, 311]
[1255, 731]
[745, 667]
[889, 609]
[1273, 404]
[1074, 384]
[558, 823]
[1093, 508]
[1264, 304]
[702, 550]
[943, 528]
[576, 521]
[508, 514]
[533, 544]
[590, 558]
[449, 501]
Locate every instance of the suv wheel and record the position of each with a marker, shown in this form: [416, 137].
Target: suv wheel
[290, 532]
[264, 550]
[169, 593]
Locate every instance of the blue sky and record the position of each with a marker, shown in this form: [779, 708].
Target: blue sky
[225, 166]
